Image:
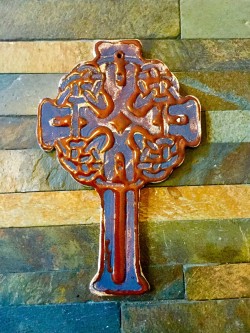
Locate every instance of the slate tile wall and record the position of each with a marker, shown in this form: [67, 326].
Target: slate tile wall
[196, 251]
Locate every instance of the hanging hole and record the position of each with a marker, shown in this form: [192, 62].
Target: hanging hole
[119, 55]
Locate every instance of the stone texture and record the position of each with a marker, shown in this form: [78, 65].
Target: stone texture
[170, 242]
[227, 126]
[50, 208]
[217, 90]
[20, 94]
[43, 57]
[217, 126]
[178, 55]
[77, 318]
[215, 19]
[217, 282]
[194, 203]
[209, 164]
[64, 248]
[54, 287]
[54, 263]
[89, 19]
[156, 204]
[73, 286]
[33, 170]
[200, 241]
[229, 316]
[18, 132]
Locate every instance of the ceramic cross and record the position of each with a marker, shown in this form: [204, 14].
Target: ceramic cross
[117, 123]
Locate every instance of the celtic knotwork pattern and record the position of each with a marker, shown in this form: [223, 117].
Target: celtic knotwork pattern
[158, 153]
[86, 83]
[117, 123]
[153, 89]
[126, 97]
[84, 158]
[156, 157]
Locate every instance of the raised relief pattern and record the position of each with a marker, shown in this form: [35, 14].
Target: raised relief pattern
[117, 123]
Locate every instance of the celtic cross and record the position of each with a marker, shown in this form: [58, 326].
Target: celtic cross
[117, 123]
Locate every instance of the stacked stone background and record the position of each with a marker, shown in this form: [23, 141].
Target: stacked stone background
[194, 227]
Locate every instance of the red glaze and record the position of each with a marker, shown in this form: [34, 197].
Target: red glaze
[117, 123]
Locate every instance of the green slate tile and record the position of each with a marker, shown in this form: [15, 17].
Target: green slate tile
[33, 170]
[228, 126]
[53, 248]
[20, 94]
[18, 132]
[216, 91]
[213, 164]
[76, 247]
[200, 55]
[215, 19]
[56, 287]
[206, 241]
[217, 281]
[89, 19]
[229, 316]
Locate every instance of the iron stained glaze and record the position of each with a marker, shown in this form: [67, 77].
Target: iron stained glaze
[117, 123]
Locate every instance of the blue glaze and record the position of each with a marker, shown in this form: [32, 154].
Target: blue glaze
[105, 281]
[49, 111]
[190, 109]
